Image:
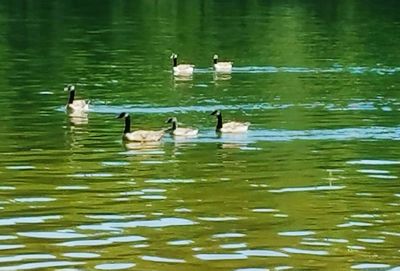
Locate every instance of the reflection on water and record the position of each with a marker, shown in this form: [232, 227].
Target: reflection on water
[221, 77]
[145, 147]
[311, 186]
[78, 118]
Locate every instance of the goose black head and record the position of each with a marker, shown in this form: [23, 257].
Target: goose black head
[170, 120]
[215, 59]
[174, 56]
[69, 87]
[216, 113]
[122, 115]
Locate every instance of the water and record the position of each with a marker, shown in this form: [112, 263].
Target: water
[313, 185]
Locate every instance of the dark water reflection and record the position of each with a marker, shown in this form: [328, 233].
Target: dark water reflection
[312, 185]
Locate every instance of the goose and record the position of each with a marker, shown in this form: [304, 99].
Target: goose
[230, 127]
[181, 69]
[222, 67]
[75, 105]
[174, 130]
[140, 135]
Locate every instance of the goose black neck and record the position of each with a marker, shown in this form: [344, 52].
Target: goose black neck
[219, 122]
[174, 126]
[215, 60]
[71, 96]
[127, 128]
[175, 60]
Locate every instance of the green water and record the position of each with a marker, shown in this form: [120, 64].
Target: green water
[313, 185]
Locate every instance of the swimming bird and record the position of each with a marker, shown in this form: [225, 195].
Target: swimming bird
[229, 127]
[75, 105]
[222, 67]
[139, 135]
[181, 69]
[177, 131]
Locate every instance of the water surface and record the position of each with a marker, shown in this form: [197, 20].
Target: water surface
[313, 185]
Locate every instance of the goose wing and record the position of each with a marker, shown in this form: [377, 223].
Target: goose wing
[235, 127]
[144, 135]
[79, 105]
[182, 69]
[223, 67]
[185, 132]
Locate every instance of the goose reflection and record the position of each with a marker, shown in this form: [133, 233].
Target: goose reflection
[182, 81]
[144, 147]
[78, 118]
[232, 145]
[222, 76]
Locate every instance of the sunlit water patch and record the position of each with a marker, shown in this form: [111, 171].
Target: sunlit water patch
[85, 243]
[83, 255]
[24, 257]
[31, 200]
[52, 235]
[308, 188]
[262, 253]
[296, 233]
[233, 246]
[229, 235]
[41, 265]
[156, 223]
[27, 220]
[373, 162]
[220, 256]
[114, 266]
[180, 242]
[370, 266]
[305, 251]
[21, 167]
[162, 259]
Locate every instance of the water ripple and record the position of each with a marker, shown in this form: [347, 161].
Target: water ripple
[83, 255]
[306, 251]
[7, 247]
[52, 235]
[127, 239]
[79, 243]
[40, 265]
[180, 242]
[218, 219]
[220, 256]
[157, 223]
[27, 220]
[114, 266]
[262, 253]
[296, 233]
[18, 258]
[370, 266]
[373, 162]
[308, 188]
[229, 235]
[162, 259]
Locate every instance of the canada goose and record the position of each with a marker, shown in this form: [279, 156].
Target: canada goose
[222, 67]
[230, 127]
[180, 131]
[75, 105]
[140, 135]
[181, 69]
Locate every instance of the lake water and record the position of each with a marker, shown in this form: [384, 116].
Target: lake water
[313, 185]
